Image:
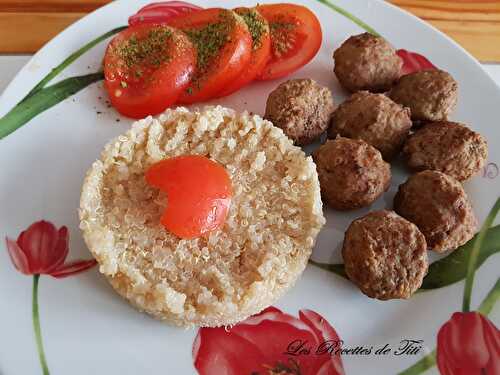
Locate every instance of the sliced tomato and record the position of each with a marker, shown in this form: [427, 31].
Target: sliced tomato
[224, 48]
[161, 12]
[193, 208]
[147, 68]
[295, 38]
[261, 49]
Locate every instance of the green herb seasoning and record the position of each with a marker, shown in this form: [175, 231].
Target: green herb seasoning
[257, 26]
[210, 39]
[281, 36]
[152, 50]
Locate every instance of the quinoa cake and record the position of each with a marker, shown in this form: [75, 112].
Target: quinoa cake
[234, 272]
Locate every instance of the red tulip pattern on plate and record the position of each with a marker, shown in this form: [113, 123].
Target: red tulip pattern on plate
[468, 344]
[42, 249]
[264, 343]
[414, 62]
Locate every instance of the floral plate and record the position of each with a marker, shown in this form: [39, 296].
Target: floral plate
[324, 325]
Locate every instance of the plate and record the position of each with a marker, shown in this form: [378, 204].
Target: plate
[87, 328]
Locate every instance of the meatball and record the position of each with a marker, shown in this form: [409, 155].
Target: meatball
[302, 108]
[439, 206]
[367, 62]
[373, 118]
[447, 147]
[385, 255]
[352, 174]
[431, 95]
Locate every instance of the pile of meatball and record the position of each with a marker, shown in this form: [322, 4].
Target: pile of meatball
[388, 114]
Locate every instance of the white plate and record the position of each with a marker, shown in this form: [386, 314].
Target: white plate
[88, 329]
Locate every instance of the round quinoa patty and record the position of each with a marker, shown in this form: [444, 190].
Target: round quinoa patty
[234, 272]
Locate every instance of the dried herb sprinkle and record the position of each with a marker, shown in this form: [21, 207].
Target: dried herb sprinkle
[257, 26]
[209, 39]
[152, 49]
[281, 35]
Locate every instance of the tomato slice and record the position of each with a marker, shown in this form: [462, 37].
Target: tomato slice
[261, 49]
[146, 69]
[224, 48]
[295, 38]
[193, 208]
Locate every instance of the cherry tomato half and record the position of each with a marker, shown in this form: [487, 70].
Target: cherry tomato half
[295, 38]
[198, 191]
[146, 68]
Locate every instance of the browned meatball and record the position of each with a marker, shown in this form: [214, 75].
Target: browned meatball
[352, 174]
[385, 255]
[447, 147]
[431, 95]
[302, 108]
[439, 206]
[373, 118]
[367, 62]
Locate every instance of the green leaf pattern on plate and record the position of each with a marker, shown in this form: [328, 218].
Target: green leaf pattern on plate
[41, 98]
[448, 270]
